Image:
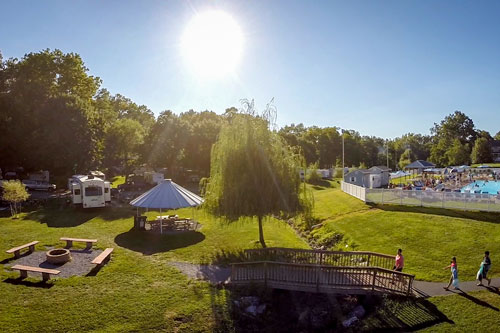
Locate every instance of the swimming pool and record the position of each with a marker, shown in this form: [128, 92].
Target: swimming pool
[491, 187]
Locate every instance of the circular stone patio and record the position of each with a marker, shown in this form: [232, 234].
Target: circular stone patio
[80, 264]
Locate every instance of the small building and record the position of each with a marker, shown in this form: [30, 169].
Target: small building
[495, 150]
[384, 172]
[419, 166]
[367, 178]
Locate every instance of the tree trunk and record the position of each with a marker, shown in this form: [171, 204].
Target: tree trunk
[261, 233]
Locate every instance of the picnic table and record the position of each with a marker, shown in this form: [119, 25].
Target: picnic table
[171, 223]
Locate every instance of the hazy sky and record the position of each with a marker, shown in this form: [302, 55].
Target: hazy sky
[383, 68]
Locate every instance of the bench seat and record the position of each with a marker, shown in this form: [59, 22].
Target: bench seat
[17, 250]
[103, 256]
[69, 241]
[45, 272]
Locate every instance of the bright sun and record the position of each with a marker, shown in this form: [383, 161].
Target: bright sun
[212, 44]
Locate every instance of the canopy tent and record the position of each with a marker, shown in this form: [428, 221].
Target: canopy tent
[167, 195]
[399, 173]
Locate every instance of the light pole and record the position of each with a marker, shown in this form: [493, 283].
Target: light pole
[343, 168]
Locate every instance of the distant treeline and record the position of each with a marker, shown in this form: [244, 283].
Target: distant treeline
[55, 116]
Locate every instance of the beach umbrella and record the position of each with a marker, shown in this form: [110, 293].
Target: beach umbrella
[167, 195]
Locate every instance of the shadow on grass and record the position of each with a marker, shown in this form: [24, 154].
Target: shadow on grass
[493, 290]
[20, 281]
[224, 257]
[7, 260]
[478, 301]
[149, 243]
[472, 215]
[396, 314]
[63, 215]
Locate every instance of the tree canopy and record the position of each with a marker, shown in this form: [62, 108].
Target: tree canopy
[253, 172]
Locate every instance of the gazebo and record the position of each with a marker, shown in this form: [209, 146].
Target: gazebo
[419, 166]
[166, 195]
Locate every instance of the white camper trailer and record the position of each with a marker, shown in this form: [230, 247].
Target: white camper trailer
[89, 191]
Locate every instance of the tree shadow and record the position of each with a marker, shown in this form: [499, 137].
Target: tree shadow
[472, 215]
[149, 243]
[225, 257]
[478, 301]
[62, 216]
[21, 281]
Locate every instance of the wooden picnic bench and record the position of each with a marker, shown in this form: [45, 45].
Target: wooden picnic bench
[45, 272]
[17, 250]
[100, 259]
[69, 241]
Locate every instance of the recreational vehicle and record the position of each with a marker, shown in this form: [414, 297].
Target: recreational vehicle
[89, 191]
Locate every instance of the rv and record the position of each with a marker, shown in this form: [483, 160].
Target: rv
[89, 191]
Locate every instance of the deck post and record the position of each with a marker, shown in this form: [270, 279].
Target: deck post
[265, 274]
[373, 281]
[410, 281]
[321, 258]
[317, 278]
[368, 262]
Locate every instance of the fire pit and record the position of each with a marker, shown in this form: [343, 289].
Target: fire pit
[58, 256]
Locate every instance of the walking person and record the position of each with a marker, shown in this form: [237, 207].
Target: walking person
[399, 261]
[454, 274]
[484, 268]
[398, 265]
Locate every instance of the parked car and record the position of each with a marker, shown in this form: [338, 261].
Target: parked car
[38, 185]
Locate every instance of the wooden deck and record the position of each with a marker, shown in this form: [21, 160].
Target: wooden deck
[322, 271]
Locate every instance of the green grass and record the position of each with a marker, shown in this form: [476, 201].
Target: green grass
[493, 165]
[429, 237]
[137, 290]
[468, 313]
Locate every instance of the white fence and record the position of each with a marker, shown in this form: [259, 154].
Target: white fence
[450, 200]
[354, 190]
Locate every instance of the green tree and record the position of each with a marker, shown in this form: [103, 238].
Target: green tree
[481, 153]
[497, 136]
[14, 192]
[405, 159]
[458, 154]
[123, 141]
[253, 173]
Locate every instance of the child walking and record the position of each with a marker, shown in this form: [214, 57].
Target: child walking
[454, 274]
[484, 268]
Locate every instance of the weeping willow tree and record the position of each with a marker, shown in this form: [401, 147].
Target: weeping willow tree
[253, 172]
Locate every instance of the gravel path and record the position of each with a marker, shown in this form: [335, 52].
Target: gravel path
[80, 264]
[212, 273]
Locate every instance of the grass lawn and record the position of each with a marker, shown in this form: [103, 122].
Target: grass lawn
[493, 165]
[468, 313]
[137, 290]
[429, 237]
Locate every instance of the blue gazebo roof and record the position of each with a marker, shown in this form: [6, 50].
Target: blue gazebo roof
[167, 195]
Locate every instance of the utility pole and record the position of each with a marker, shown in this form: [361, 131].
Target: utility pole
[342, 131]
[387, 151]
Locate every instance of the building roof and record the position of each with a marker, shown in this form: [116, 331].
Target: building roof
[418, 164]
[381, 167]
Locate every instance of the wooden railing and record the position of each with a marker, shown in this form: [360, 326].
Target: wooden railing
[319, 257]
[322, 278]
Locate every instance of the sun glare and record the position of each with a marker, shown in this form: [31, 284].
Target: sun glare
[212, 44]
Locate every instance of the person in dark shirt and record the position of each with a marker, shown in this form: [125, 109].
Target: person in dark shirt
[483, 270]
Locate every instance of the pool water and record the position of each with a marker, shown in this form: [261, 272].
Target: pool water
[491, 187]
